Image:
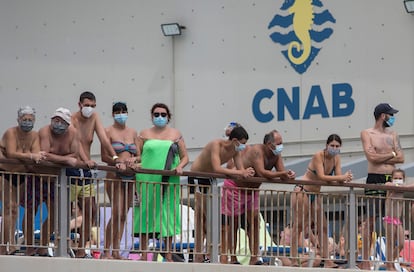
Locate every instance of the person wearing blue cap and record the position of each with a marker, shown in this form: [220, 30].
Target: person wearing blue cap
[383, 151]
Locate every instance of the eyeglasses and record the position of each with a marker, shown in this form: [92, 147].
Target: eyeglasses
[157, 114]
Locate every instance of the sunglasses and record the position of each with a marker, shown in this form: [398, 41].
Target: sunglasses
[157, 114]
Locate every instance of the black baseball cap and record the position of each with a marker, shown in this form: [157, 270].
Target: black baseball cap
[384, 108]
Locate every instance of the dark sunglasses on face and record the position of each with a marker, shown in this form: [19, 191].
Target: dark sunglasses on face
[157, 114]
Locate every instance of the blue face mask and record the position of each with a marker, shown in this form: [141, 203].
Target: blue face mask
[390, 122]
[26, 125]
[240, 147]
[160, 121]
[121, 118]
[59, 128]
[278, 149]
[333, 151]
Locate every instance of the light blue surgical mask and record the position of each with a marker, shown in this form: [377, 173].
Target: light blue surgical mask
[390, 122]
[26, 125]
[160, 121]
[278, 149]
[240, 147]
[121, 118]
[333, 151]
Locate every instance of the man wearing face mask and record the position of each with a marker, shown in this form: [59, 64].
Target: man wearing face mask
[383, 151]
[212, 157]
[58, 141]
[263, 158]
[87, 123]
[20, 142]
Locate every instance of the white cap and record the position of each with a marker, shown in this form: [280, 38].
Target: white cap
[64, 114]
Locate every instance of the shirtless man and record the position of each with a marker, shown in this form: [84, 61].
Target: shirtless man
[263, 158]
[58, 141]
[87, 122]
[211, 159]
[383, 150]
[20, 142]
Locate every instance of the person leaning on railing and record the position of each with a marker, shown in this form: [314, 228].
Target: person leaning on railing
[124, 140]
[87, 122]
[325, 166]
[59, 142]
[266, 160]
[20, 142]
[212, 157]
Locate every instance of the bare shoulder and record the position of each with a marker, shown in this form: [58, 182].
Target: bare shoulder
[175, 133]
[145, 133]
[75, 118]
[216, 142]
[9, 132]
[390, 132]
[367, 131]
[108, 129]
[256, 149]
[44, 130]
[72, 131]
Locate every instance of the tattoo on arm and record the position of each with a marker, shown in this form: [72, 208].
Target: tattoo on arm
[389, 141]
[398, 144]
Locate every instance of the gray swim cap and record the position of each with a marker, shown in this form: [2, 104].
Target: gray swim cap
[26, 110]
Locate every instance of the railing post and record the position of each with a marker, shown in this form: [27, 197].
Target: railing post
[213, 210]
[352, 228]
[62, 235]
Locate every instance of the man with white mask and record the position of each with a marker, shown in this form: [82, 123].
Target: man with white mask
[87, 123]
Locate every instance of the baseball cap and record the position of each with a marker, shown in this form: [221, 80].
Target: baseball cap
[63, 113]
[384, 108]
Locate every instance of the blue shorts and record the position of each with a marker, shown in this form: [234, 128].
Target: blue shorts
[78, 172]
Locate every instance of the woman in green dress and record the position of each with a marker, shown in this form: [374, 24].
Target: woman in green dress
[162, 148]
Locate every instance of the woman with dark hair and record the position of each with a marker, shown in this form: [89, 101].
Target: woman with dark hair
[119, 187]
[324, 166]
[163, 148]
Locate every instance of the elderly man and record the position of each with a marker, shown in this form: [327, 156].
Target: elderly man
[59, 143]
[266, 160]
[19, 142]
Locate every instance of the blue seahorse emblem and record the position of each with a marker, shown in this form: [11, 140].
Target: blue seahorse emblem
[300, 42]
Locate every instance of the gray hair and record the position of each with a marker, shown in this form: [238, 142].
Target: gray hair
[26, 110]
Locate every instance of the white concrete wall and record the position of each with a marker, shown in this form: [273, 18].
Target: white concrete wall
[52, 50]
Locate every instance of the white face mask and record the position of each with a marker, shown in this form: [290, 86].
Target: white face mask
[397, 181]
[87, 111]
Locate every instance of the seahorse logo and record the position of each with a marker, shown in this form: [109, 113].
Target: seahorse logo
[300, 44]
